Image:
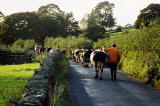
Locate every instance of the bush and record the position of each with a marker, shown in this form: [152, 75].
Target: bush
[3, 48]
[68, 43]
[140, 52]
[95, 32]
[22, 45]
[142, 64]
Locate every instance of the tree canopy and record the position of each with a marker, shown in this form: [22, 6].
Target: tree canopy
[25, 25]
[100, 18]
[1, 16]
[64, 23]
[48, 21]
[104, 14]
[148, 15]
[51, 10]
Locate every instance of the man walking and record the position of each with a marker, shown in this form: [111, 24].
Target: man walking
[114, 58]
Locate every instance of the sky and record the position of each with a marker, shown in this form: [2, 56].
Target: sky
[125, 11]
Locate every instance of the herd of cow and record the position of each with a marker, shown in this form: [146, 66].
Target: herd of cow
[97, 58]
[41, 49]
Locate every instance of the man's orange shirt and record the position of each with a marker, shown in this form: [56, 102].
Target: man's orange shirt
[114, 55]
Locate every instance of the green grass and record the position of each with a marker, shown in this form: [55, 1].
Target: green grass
[13, 79]
[60, 94]
[114, 33]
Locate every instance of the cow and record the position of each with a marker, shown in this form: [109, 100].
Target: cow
[42, 50]
[86, 55]
[73, 57]
[77, 55]
[81, 57]
[48, 49]
[39, 49]
[36, 48]
[98, 58]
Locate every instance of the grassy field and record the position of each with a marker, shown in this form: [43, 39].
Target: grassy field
[13, 79]
[114, 33]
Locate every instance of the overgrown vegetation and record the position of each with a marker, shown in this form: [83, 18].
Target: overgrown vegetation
[60, 92]
[140, 52]
[23, 45]
[68, 43]
[12, 81]
[19, 46]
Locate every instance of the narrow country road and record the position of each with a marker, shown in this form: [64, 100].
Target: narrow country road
[84, 90]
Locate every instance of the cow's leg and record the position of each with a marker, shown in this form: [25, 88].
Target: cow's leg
[101, 74]
[76, 59]
[101, 71]
[96, 76]
[79, 59]
[83, 60]
[96, 70]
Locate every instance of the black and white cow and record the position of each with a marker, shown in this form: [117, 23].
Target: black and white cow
[98, 58]
[48, 49]
[76, 55]
[86, 55]
[39, 49]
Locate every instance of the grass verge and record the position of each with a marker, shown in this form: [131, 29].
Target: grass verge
[60, 93]
[13, 79]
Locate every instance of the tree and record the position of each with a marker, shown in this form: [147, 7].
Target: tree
[95, 32]
[52, 19]
[100, 18]
[83, 23]
[51, 10]
[25, 25]
[50, 26]
[62, 24]
[147, 16]
[72, 27]
[1, 18]
[103, 13]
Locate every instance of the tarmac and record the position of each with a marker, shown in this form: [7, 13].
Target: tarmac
[85, 90]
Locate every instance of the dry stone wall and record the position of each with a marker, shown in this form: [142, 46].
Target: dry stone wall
[40, 85]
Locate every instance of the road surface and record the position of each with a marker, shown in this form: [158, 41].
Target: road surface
[84, 90]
